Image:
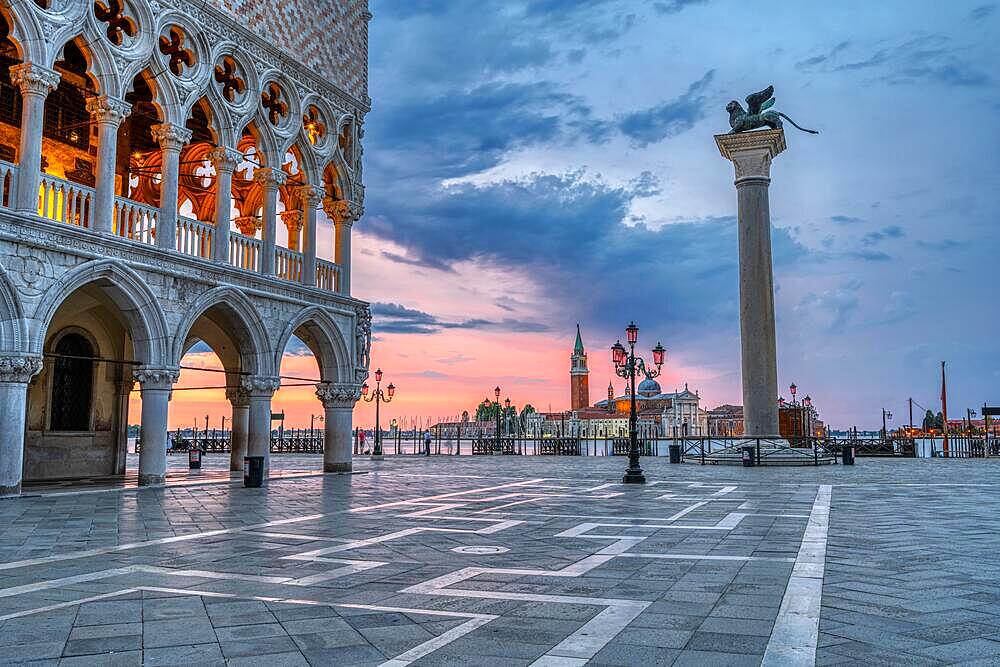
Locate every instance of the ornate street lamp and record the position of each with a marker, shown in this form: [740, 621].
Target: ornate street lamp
[792, 388]
[506, 417]
[378, 396]
[627, 365]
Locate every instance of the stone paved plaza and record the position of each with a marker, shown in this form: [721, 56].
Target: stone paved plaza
[510, 561]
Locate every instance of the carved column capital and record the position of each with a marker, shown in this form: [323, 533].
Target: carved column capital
[238, 397]
[292, 220]
[311, 195]
[225, 159]
[19, 368]
[248, 225]
[259, 386]
[32, 78]
[341, 211]
[151, 378]
[338, 394]
[751, 152]
[270, 178]
[108, 110]
[170, 136]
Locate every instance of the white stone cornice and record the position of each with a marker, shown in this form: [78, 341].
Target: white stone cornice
[32, 78]
[338, 394]
[107, 109]
[19, 368]
[152, 378]
[170, 136]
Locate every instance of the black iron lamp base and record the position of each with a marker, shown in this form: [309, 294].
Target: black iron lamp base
[634, 477]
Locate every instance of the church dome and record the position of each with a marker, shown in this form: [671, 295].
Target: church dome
[649, 388]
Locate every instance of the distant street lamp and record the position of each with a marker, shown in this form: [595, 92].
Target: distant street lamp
[885, 415]
[506, 417]
[312, 422]
[793, 389]
[627, 365]
[807, 403]
[379, 397]
[496, 392]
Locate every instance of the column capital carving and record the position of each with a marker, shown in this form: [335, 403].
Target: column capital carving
[338, 394]
[108, 110]
[269, 177]
[259, 385]
[32, 78]
[19, 368]
[156, 378]
[341, 211]
[248, 225]
[237, 396]
[292, 220]
[751, 152]
[170, 136]
[311, 195]
[224, 158]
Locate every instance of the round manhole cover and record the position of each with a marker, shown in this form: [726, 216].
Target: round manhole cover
[480, 551]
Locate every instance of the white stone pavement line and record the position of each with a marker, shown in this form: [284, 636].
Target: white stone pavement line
[176, 484]
[474, 620]
[101, 551]
[796, 630]
[443, 496]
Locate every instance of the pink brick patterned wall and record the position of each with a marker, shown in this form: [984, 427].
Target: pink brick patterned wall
[329, 36]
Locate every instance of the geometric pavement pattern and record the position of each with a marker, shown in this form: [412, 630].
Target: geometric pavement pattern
[509, 560]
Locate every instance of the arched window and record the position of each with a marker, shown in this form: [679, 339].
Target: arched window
[72, 384]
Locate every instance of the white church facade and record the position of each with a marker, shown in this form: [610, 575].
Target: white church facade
[162, 170]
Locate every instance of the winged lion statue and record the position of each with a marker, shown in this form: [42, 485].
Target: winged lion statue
[757, 115]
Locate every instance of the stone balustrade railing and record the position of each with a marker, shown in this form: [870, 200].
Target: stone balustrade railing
[67, 202]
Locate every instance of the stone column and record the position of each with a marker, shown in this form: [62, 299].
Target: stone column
[311, 198]
[16, 370]
[751, 154]
[259, 390]
[240, 419]
[225, 161]
[172, 139]
[154, 385]
[36, 83]
[270, 180]
[343, 214]
[108, 112]
[338, 404]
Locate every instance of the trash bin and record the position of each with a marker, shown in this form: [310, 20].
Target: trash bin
[675, 453]
[748, 456]
[847, 455]
[253, 471]
[194, 458]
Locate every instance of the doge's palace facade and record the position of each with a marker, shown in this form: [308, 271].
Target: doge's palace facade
[163, 168]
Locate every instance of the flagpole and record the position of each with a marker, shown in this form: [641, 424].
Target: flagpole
[944, 409]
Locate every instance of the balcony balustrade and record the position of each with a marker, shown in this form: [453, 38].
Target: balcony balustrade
[66, 202]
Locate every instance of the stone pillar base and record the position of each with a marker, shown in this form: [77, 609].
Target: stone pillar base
[10, 491]
[337, 467]
[152, 480]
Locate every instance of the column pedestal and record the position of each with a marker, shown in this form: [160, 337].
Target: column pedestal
[15, 373]
[338, 402]
[751, 154]
[154, 386]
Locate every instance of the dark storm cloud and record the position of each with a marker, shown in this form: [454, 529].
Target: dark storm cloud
[983, 12]
[674, 6]
[421, 262]
[396, 318]
[669, 118]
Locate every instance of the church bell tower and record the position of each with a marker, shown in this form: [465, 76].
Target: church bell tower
[578, 375]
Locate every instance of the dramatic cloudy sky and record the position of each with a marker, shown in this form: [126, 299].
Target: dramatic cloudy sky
[531, 165]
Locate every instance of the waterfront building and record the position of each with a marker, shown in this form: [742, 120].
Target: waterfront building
[163, 166]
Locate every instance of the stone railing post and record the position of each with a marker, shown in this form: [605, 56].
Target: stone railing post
[259, 389]
[311, 198]
[154, 385]
[338, 404]
[36, 83]
[16, 371]
[172, 139]
[108, 113]
[751, 154]
[270, 180]
[225, 161]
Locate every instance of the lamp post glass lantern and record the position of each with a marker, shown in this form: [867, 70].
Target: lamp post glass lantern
[379, 396]
[627, 366]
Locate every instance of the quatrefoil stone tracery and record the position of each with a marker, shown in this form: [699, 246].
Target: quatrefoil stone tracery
[119, 24]
[178, 55]
[274, 105]
[227, 75]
